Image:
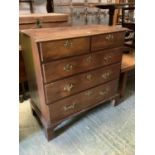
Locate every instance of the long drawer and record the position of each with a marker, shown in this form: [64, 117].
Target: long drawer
[52, 50]
[62, 68]
[71, 105]
[109, 40]
[69, 86]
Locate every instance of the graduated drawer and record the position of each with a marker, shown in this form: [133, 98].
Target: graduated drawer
[52, 50]
[62, 68]
[69, 86]
[107, 40]
[71, 105]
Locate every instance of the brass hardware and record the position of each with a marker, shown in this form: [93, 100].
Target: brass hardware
[68, 67]
[89, 77]
[107, 58]
[68, 87]
[109, 1]
[68, 44]
[88, 93]
[102, 93]
[105, 92]
[109, 37]
[69, 107]
[38, 23]
[106, 74]
[89, 59]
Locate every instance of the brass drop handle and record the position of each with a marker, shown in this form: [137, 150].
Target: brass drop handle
[89, 59]
[107, 58]
[106, 74]
[109, 37]
[38, 23]
[68, 44]
[69, 87]
[68, 67]
[89, 93]
[69, 107]
[105, 92]
[89, 77]
[102, 93]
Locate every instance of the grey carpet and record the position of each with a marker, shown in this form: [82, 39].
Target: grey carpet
[105, 130]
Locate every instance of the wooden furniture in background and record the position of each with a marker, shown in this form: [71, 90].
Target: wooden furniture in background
[116, 12]
[22, 76]
[40, 20]
[66, 79]
[128, 64]
[87, 12]
[30, 3]
[128, 21]
[82, 12]
[33, 21]
[49, 6]
[112, 7]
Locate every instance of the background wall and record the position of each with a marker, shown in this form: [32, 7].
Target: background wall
[38, 5]
[80, 14]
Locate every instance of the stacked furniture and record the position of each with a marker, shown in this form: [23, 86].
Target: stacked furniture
[71, 70]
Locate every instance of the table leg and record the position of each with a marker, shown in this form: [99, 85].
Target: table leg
[49, 6]
[111, 15]
[123, 80]
[31, 7]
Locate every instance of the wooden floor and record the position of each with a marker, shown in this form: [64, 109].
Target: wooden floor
[106, 130]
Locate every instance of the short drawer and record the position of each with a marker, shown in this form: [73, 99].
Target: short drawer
[62, 68]
[107, 40]
[69, 86]
[71, 105]
[52, 50]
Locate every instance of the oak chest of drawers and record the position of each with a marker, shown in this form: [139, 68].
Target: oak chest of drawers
[71, 70]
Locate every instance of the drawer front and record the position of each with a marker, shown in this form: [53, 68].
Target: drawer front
[107, 41]
[59, 69]
[69, 86]
[71, 105]
[63, 48]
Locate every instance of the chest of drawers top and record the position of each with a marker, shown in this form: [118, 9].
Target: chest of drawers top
[49, 34]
